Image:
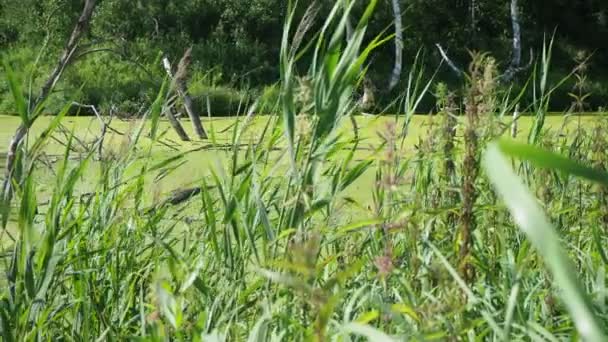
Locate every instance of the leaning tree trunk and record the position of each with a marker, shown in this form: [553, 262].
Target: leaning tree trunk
[66, 58]
[179, 79]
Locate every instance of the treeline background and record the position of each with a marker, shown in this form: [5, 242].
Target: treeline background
[236, 43]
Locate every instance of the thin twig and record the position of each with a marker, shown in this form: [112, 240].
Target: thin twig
[121, 56]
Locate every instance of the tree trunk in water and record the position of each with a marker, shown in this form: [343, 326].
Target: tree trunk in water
[180, 83]
[170, 114]
[192, 112]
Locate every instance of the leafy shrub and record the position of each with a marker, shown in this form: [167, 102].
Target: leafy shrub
[223, 101]
[108, 80]
[21, 61]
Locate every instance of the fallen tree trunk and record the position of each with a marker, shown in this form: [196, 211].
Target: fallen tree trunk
[177, 197]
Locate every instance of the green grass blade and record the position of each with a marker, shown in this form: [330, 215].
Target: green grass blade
[260, 330]
[27, 212]
[157, 108]
[17, 93]
[367, 15]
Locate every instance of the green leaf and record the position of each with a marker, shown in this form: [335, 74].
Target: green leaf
[40, 142]
[549, 160]
[5, 313]
[331, 60]
[406, 310]
[358, 225]
[260, 330]
[369, 11]
[355, 173]
[368, 317]
[530, 218]
[27, 212]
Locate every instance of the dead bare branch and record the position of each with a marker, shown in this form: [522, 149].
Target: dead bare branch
[170, 112]
[450, 63]
[511, 72]
[516, 58]
[104, 127]
[68, 52]
[514, 123]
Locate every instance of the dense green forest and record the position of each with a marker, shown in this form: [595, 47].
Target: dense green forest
[236, 44]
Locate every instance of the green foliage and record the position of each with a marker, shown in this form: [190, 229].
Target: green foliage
[105, 80]
[240, 40]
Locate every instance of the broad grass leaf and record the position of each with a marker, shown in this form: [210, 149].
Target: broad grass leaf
[41, 141]
[549, 160]
[406, 310]
[358, 225]
[367, 317]
[260, 330]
